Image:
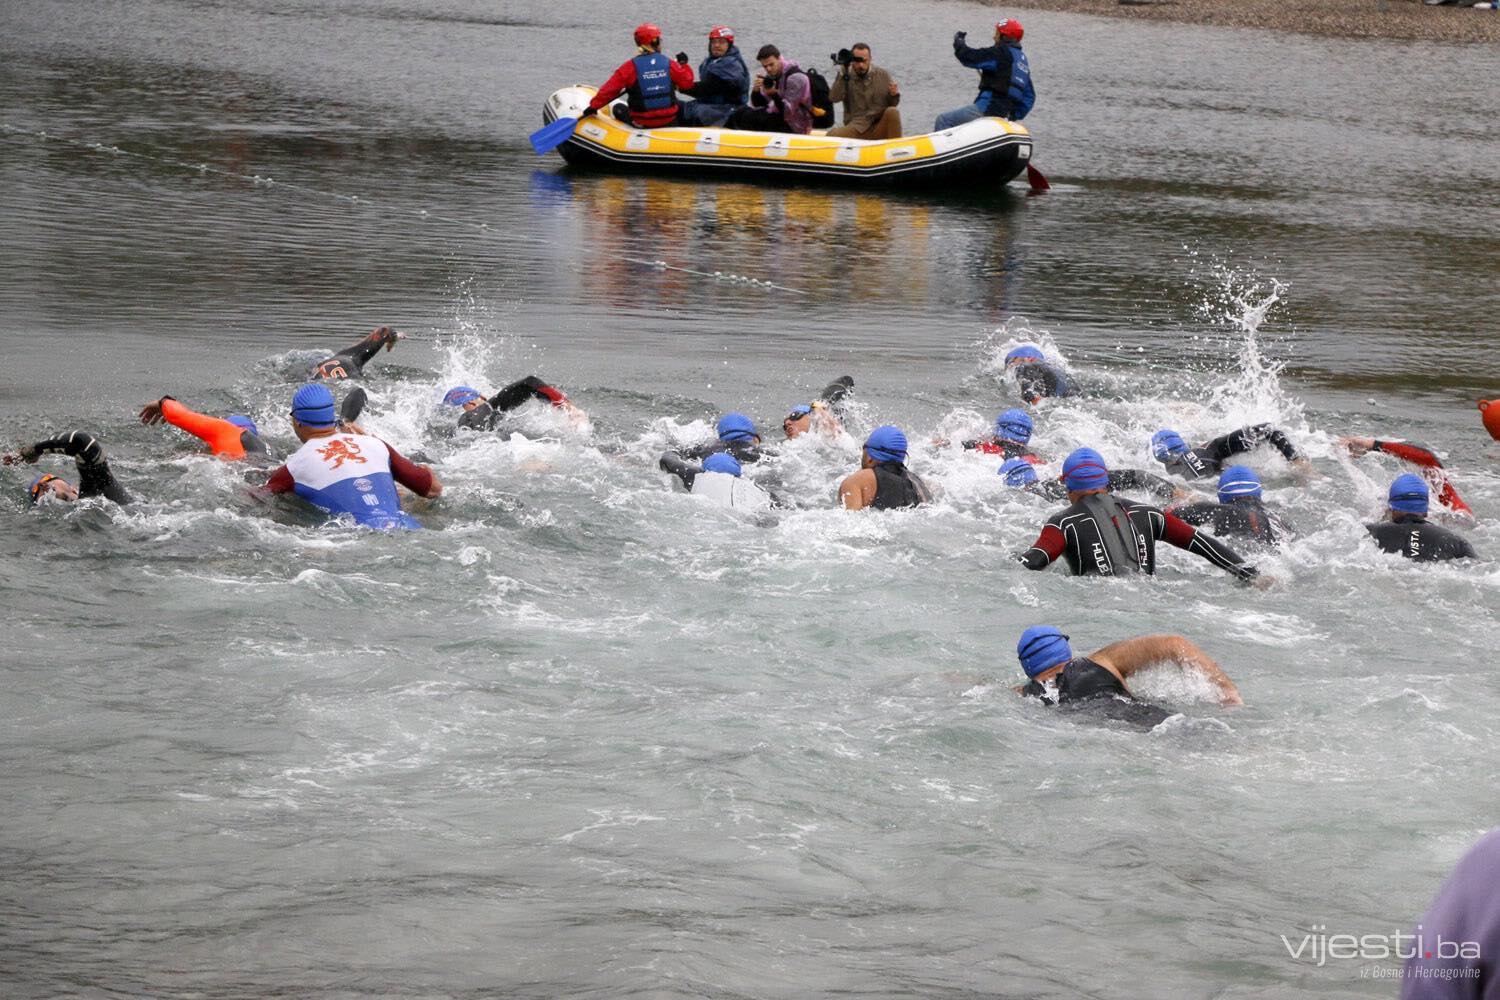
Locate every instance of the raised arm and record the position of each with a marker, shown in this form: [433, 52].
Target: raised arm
[94, 477]
[222, 437]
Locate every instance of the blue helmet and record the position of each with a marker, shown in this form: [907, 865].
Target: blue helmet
[886, 444]
[1238, 481]
[1014, 425]
[1166, 442]
[1026, 352]
[1041, 648]
[244, 423]
[460, 394]
[721, 461]
[1084, 469]
[313, 406]
[735, 427]
[1018, 472]
[1409, 494]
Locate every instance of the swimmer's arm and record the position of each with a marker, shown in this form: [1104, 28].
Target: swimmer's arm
[835, 391]
[222, 437]
[94, 477]
[281, 481]
[1194, 513]
[1183, 535]
[857, 491]
[417, 478]
[674, 463]
[1135, 479]
[1407, 452]
[1131, 655]
[1049, 545]
[522, 390]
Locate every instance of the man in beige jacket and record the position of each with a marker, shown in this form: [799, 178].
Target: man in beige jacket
[870, 97]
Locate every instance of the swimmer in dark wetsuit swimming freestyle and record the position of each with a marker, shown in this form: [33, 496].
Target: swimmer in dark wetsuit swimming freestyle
[1209, 460]
[1021, 474]
[351, 361]
[1036, 378]
[1407, 532]
[230, 438]
[94, 477]
[1240, 510]
[1104, 535]
[737, 436]
[823, 414]
[883, 482]
[482, 414]
[1433, 470]
[1096, 682]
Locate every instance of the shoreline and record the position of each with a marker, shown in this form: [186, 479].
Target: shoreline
[1398, 20]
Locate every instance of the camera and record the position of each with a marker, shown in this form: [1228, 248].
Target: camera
[843, 57]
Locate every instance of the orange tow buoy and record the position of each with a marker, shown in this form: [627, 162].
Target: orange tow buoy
[1490, 410]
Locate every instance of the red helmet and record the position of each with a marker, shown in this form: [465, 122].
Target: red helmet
[719, 31]
[1009, 28]
[647, 34]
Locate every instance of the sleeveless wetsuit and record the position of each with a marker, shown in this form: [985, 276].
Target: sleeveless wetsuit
[1086, 684]
[896, 487]
[1105, 535]
[94, 477]
[1416, 539]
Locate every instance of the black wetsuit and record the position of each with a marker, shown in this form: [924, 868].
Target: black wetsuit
[744, 452]
[351, 361]
[486, 415]
[1086, 684]
[1039, 380]
[672, 462]
[1210, 459]
[94, 477]
[1414, 538]
[1119, 479]
[1105, 535]
[1244, 517]
[895, 486]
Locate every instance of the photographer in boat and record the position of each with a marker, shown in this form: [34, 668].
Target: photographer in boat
[869, 96]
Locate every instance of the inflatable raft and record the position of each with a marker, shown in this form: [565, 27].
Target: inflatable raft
[988, 152]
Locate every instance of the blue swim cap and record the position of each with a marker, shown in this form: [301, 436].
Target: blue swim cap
[1166, 442]
[313, 406]
[1042, 647]
[1238, 481]
[1014, 425]
[1018, 472]
[1025, 351]
[1409, 494]
[800, 410]
[460, 394]
[1085, 470]
[244, 423]
[735, 427]
[721, 461]
[886, 444]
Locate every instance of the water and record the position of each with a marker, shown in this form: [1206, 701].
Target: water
[584, 737]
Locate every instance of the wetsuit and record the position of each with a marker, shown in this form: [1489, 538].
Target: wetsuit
[1039, 380]
[1119, 479]
[487, 414]
[1208, 460]
[743, 451]
[1416, 539]
[1105, 535]
[1245, 517]
[353, 474]
[1084, 683]
[351, 361]
[895, 486]
[1418, 455]
[94, 477]
[224, 439]
[720, 487]
[1010, 449]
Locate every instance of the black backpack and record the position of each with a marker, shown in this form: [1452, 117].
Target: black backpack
[822, 105]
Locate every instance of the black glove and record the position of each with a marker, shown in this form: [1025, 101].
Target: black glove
[681, 57]
[588, 113]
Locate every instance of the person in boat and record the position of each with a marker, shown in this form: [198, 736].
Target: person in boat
[483, 414]
[1406, 531]
[1011, 438]
[650, 82]
[1210, 459]
[94, 476]
[719, 479]
[346, 472]
[231, 438]
[823, 414]
[1101, 534]
[1036, 378]
[883, 481]
[1096, 682]
[869, 95]
[1432, 468]
[1005, 88]
[351, 361]
[780, 98]
[1021, 474]
[723, 82]
[1240, 510]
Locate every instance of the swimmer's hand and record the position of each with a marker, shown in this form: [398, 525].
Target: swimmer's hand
[388, 335]
[151, 412]
[1231, 699]
[30, 453]
[1302, 468]
[1262, 581]
[1357, 446]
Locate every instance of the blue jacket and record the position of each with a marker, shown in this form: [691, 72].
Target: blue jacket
[1010, 94]
[723, 79]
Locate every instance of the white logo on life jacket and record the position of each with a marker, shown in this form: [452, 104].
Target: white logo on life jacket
[363, 485]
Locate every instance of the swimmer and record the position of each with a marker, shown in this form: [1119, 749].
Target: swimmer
[1406, 530]
[1432, 469]
[1240, 510]
[351, 361]
[1209, 459]
[737, 436]
[823, 414]
[482, 414]
[1011, 438]
[883, 481]
[1021, 474]
[345, 472]
[1036, 378]
[1104, 535]
[1056, 677]
[230, 438]
[719, 479]
[94, 476]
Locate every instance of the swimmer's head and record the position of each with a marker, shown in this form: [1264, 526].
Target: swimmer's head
[244, 423]
[1238, 481]
[1024, 355]
[736, 427]
[1165, 443]
[1084, 470]
[723, 462]
[1041, 648]
[1409, 495]
[462, 395]
[797, 420]
[1018, 473]
[313, 408]
[49, 485]
[1014, 426]
[886, 444]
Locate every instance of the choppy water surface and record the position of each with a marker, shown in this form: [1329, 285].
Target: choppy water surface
[587, 737]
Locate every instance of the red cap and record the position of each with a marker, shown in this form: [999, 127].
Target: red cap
[647, 34]
[719, 31]
[1009, 28]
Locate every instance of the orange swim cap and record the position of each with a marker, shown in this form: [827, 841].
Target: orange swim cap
[1489, 409]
